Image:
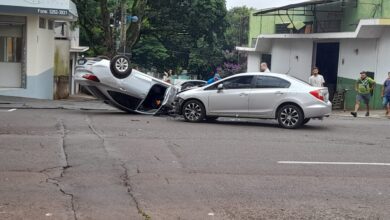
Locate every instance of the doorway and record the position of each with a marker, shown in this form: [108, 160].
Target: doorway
[267, 58]
[327, 60]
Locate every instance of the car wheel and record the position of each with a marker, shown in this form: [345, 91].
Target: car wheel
[120, 67]
[305, 121]
[194, 111]
[290, 116]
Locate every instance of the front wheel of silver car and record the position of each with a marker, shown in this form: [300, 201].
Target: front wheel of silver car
[290, 116]
[194, 111]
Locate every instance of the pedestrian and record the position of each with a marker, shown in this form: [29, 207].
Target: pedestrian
[364, 87]
[264, 68]
[167, 76]
[386, 95]
[316, 79]
[216, 77]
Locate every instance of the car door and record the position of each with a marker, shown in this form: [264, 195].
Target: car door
[233, 99]
[266, 95]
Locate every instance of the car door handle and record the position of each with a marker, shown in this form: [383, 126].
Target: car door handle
[244, 94]
[279, 93]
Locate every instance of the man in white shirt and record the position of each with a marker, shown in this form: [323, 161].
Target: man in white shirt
[316, 79]
[264, 68]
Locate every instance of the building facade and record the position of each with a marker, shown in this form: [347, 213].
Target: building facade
[27, 45]
[341, 37]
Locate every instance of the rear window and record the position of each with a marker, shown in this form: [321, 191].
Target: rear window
[300, 80]
[271, 82]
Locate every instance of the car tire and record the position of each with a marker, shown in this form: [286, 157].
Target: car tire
[290, 116]
[194, 111]
[120, 67]
[305, 121]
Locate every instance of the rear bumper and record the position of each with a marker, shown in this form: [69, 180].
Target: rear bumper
[319, 110]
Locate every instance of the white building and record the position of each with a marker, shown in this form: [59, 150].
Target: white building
[338, 38]
[27, 45]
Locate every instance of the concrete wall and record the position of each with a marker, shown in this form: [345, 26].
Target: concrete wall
[39, 62]
[266, 24]
[61, 69]
[383, 57]
[364, 9]
[373, 56]
[62, 58]
[293, 57]
[10, 76]
[254, 60]
[352, 63]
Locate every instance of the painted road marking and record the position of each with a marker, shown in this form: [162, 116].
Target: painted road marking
[8, 110]
[333, 163]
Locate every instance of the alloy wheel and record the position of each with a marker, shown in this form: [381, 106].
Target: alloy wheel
[193, 111]
[122, 64]
[289, 117]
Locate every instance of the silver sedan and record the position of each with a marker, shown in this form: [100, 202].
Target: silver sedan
[115, 83]
[290, 101]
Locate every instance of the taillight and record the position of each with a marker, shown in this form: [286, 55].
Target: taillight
[318, 94]
[91, 77]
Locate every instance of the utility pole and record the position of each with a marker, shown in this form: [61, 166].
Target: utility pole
[123, 24]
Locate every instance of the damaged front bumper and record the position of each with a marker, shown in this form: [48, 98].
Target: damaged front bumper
[177, 107]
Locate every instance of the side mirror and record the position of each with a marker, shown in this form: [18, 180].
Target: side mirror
[220, 87]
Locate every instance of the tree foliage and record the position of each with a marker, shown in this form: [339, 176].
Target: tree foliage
[237, 32]
[170, 34]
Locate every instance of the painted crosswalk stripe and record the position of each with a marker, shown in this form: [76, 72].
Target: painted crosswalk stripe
[332, 163]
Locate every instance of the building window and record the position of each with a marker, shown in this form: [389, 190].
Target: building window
[11, 49]
[282, 29]
[42, 23]
[50, 24]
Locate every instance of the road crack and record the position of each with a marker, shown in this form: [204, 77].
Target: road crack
[54, 180]
[126, 180]
[94, 131]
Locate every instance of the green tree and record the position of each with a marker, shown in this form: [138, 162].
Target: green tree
[170, 34]
[192, 31]
[237, 32]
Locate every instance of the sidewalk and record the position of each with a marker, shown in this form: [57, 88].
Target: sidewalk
[361, 114]
[84, 102]
[76, 102]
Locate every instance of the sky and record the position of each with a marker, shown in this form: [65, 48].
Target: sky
[259, 4]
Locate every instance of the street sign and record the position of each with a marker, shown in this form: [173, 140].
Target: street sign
[132, 19]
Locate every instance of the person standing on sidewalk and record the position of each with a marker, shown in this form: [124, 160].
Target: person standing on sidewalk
[386, 95]
[364, 87]
[316, 79]
[264, 68]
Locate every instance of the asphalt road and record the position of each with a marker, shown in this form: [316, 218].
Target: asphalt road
[70, 164]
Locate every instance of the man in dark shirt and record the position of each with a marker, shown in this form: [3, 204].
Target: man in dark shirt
[386, 95]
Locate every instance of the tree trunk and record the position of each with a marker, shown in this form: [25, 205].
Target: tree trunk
[133, 33]
[108, 39]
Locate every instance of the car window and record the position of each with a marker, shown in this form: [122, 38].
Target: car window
[186, 84]
[271, 82]
[200, 83]
[240, 82]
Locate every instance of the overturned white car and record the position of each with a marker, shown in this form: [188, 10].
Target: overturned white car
[115, 83]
